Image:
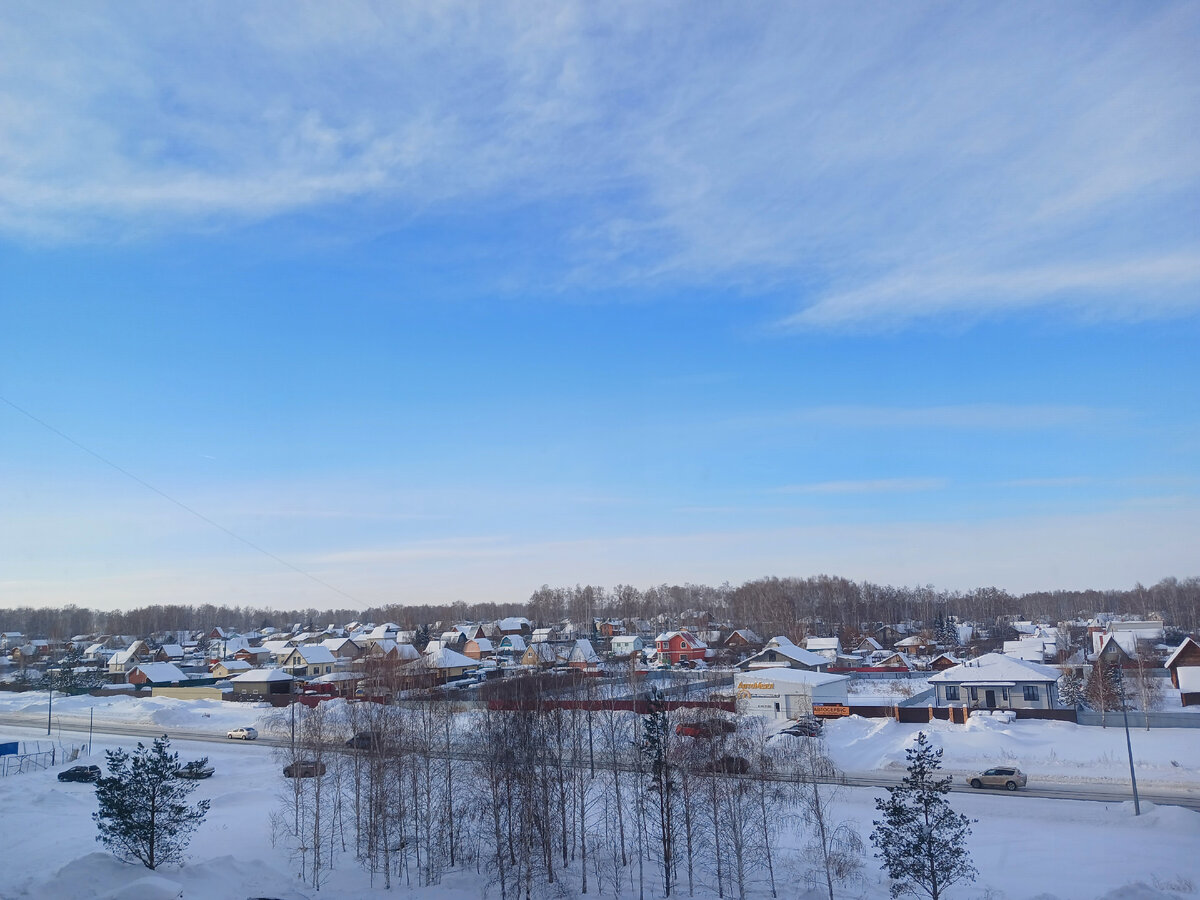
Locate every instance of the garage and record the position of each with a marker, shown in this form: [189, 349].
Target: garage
[787, 693]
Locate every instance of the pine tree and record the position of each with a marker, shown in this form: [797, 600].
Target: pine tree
[1071, 691]
[143, 812]
[921, 840]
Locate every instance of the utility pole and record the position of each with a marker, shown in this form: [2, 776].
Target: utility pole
[91, 716]
[50, 705]
[1137, 809]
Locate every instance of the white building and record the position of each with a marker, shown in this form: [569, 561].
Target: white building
[783, 693]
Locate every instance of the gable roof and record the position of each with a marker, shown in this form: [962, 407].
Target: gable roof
[1178, 650]
[788, 651]
[796, 676]
[996, 667]
[161, 672]
[312, 654]
[445, 658]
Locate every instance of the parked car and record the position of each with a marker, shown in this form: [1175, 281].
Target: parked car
[366, 740]
[304, 768]
[1007, 777]
[244, 734]
[90, 774]
[727, 765]
[706, 728]
[809, 726]
[197, 768]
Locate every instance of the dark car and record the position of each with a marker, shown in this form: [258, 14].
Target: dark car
[304, 768]
[90, 774]
[706, 728]
[366, 740]
[728, 765]
[197, 768]
[809, 726]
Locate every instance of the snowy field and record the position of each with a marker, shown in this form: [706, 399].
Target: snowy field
[1024, 847]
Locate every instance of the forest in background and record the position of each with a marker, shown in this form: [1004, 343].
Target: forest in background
[822, 604]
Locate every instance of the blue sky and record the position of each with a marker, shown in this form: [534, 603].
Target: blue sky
[447, 303]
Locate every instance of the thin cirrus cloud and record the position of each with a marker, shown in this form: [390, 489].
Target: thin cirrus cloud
[981, 416]
[895, 162]
[866, 486]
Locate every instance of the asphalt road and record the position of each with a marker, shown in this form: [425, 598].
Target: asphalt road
[1185, 796]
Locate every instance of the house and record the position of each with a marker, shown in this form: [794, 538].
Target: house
[897, 661]
[478, 648]
[915, 645]
[995, 681]
[782, 693]
[308, 661]
[782, 653]
[263, 682]
[156, 674]
[611, 628]
[518, 625]
[743, 638]
[944, 661]
[583, 656]
[828, 647]
[627, 644]
[169, 653]
[542, 634]
[1033, 649]
[256, 656]
[121, 662]
[542, 654]
[449, 664]
[230, 667]
[867, 646]
[677, 646]
[512, 645]
[1117, 649]
[1184, 666]
[342, 648]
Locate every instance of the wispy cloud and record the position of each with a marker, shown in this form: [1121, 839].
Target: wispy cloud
[984, 416]
[888, 163]
[869, 486]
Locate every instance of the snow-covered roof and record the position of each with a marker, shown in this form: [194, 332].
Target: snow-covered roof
[513, 623]
[794, 676]
[161, 672]
[584, 652]
[484, 645]
[822, 643]
[788, 651]
[514, 642]
[235, 665]
[995, 667]
[260, 676]
[313, 654]
[175, 651]
[445, 658]
[1171, 659]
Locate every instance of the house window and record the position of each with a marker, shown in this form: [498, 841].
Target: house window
[771, 656]
[952, 692]
[1031, 693]
[974, 693]
[1005, 692]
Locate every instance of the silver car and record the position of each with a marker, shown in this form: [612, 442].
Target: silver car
[244, 734]
[1008, 777]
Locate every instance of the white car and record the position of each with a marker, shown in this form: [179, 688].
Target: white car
[244, 734]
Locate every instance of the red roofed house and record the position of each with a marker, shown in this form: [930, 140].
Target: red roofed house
[676, 646]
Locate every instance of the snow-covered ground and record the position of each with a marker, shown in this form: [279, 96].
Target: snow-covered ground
[1023, 847]
[1056, 751]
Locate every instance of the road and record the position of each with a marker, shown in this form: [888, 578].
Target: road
[1185, 796]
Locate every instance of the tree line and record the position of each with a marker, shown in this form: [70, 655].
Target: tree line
[769, 605]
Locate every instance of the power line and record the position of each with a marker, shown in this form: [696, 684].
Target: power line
[199, 515]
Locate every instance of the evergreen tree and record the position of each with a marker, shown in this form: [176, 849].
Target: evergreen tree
[1071, 691]
[921, 840]
[143, 812]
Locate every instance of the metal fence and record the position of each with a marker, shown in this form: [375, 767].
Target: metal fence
[1139, 719]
